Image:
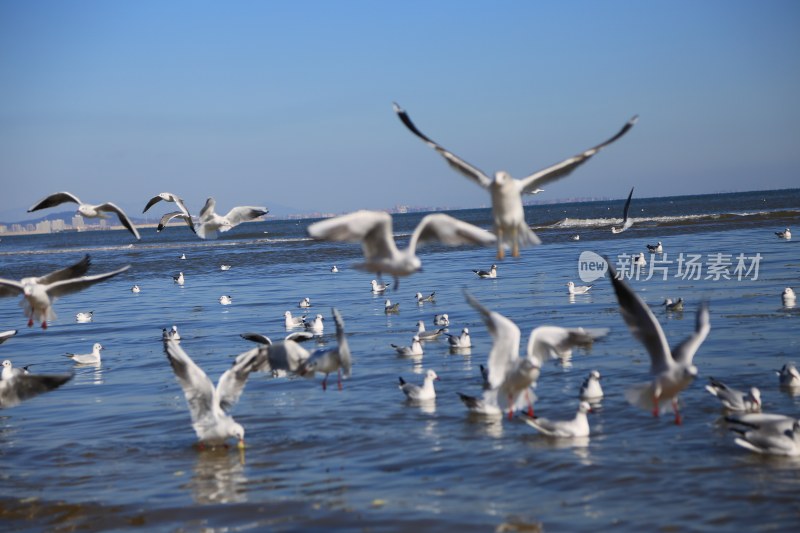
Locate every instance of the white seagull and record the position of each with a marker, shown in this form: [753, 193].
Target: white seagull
[485, 406]
[330, 360]
[226, 299]
[441, 320]
[673, 306]
[655, 248]
[84, 316]
[378, 288]
[460, 341]
[506, 192]
[179, 279]
[305, 303]
[40, 292]
[5, 335]
[512, 376]
[87, 210]
[491, 273]
[575, 428]
[168, 197]
[785, 234]
[425, 335]
[167, 217]
[788, 297]
[426, 392]
[208, 405]
[422, 299]
[373, 229]
[210, 223]
[577, 289]
[671, 369]
[788, 376]
[334, 269]
[316, 325]
[591, 390]
[170, 334]
[282, 356]
[88, 358]
[415, 350]
[224, 268]
[626, 222]
[136, 289]
[293, 321]
[734, 400]
[768, 434]
[17, 385]
[639, 260]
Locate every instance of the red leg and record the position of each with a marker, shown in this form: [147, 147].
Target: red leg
[325, 383]
[655, 406]
[510, 409]
[30, 322]
[530, 403]
[44, 324]
[678, 419]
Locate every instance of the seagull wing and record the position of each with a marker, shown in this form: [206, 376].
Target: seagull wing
[153, 201]
[449, 230]
[240, 214]
[123, 218]
[548, 342]
[256, 337]
[505, 346]
[684, 352]
[197, 388]
[10, 287]
[69, 286]
[175, 214]
[373, 229]
[643, 324]
[73, 271]
[625, 224]
[53, 200]
[232, 382]
[5, 335]
[564, 168]
[345, 359]
[470, 171]
[208, 209]
[24, 386]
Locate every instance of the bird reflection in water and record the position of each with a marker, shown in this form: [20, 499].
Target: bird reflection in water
[219, 476]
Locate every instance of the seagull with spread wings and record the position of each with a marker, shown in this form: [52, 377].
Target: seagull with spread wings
[626, 222]
[506, 192]
[210, 223]
[87, 210]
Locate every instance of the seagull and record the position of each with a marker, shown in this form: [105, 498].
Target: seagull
[208, 405]
[734, 400]
[506, 192]
[5, 335]
[171, 334]
[425, 335]
[166, 218]
[785, 234]
[673, 306]
[788, 376]
[378, 288]
[788, 297]
[89, 358]
[40, 292]
[575, 428]
[460, 341]
[183, 256]
[672, 369]
[84, 317]
[315, 326]
[655, 248]
[422, 299]
[9, 371]
[415, 350]
[20, 386]
[639, 260]
[168, 197]
[136, 289]
[282, 356]
[336, 359]
[210, 223]
[305, 303]
[334, 269]
[491, 273]
[226, 299]
[579, 289]
[576, 237]
[626, 222]
[441, 320]
[293, 321]
[87, 210]
[373, 229]
[768, 434]
[224, 267]
[509, 374]
[179, 279]
[415, 393]
[591, 390]
[390, 308]
[486, 406]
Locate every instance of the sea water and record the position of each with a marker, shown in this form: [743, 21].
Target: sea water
[114, 447]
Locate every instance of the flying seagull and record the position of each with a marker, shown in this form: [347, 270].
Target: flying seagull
[506, 192]
[168, 197]
[373, 229]
[626, 222]
[87, 210]
[210, 222]
[20, 386]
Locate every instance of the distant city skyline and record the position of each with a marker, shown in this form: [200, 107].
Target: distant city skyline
[290, 104]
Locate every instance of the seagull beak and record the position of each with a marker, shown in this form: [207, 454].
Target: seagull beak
[240, 444]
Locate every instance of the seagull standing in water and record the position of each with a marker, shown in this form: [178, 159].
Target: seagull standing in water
[89, 358]
[208, 405]
[87, 210]
[210, 223]
[39, 292]
[626, 222]
[671, 369]
[336, 359]
[373, 229]
[506, 192]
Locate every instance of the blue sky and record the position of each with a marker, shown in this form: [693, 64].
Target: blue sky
[289, 103]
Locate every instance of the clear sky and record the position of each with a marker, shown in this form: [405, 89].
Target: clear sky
[289, 103]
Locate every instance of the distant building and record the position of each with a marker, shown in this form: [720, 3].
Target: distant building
[17, 228]
[58, 225]
[3, 228]
[44, 227]
[77, 222]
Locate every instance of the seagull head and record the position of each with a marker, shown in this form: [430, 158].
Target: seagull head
[755, 396]
[97, 347]
[431, 374]
[238, 431]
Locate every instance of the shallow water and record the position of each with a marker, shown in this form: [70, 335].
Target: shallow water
[114, 447]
